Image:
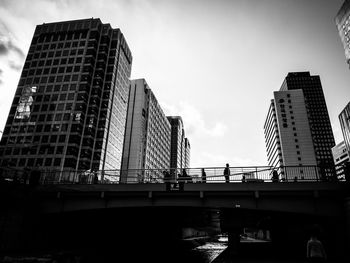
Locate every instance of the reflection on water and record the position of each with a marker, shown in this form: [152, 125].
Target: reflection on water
[212, 249]
[128, 252]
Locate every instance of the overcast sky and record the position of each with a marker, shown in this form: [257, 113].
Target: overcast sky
[215, 63]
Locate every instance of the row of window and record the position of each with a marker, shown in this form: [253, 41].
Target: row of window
[51, 79]
[31, 162]
[58, 53]
[59, 45]
[51, 70]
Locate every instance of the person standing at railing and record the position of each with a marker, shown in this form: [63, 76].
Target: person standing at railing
[204, 176]
[181, 181]
[227, 173]
[95, 178]
[166, 176]
[275, 177]
[186, 177]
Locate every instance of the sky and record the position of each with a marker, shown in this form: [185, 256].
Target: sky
[214, 63]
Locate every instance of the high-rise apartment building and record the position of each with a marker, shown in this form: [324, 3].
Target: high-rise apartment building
[177, 142]
[147, 136]
[69, 109]
[344, 118]
[343, 24]
[297, 128]
[340, 156]
[287, 131]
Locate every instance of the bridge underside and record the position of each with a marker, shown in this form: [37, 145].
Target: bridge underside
[321, 199]
[78, 215]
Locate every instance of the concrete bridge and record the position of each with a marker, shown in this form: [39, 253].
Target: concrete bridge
[285, 207]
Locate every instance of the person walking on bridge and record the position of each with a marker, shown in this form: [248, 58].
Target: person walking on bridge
[204, 176]
[227, 173]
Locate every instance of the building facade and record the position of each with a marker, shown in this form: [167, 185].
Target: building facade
[297, 128]
[340, 156]
[344, 119]
[187, 153]
[318, 117]
[177, 142]
[342, 21]
[146, 150]
[287, 134]
[69, 110]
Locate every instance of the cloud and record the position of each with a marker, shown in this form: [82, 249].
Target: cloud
[194, 122]
[14, 65]
[7, 46]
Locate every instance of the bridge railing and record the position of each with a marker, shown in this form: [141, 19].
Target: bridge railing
[254, 174]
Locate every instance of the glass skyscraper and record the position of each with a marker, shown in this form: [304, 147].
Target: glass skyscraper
[343, 24]
[69, 110]
[344, 118]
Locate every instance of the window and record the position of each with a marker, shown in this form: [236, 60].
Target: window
[57, 161]
[60, 106]
[71, 96]
[44, 107]
[66, 117]
[49, 117]
[58, 117]
[48, 161]
[53, 138]
[62, 138]
[63, 97]
[59, 150]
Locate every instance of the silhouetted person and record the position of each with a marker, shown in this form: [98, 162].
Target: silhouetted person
[187, 178]
[227, 173]
[204, 176]
[95, 178]
[181, 181]
[315, 251]
[243, 179]
[275, 177]
[166, 176]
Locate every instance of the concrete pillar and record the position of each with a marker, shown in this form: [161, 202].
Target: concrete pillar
[234, 240]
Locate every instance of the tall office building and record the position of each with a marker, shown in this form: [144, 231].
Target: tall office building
[69, 109]
[287, 132]
[340, 156]
[343, 24]
[297, 128]
[147, 136]
[344, 118]
[177, 142]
